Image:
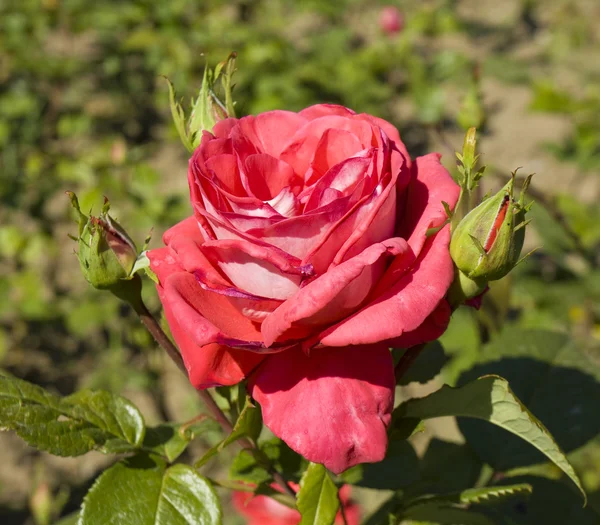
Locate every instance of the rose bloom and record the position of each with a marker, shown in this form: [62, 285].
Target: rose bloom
[305, 259]
[262, 510]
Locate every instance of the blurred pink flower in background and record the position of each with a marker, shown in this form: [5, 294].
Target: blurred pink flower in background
[391, 20]
[262, 510]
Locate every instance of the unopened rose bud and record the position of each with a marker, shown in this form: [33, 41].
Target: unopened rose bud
[106, 254]
[391, 20]
[487, 243]
[208, 108]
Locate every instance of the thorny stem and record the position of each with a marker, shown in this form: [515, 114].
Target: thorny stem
[163, 340]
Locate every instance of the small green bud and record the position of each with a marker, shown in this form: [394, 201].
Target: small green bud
[487, 243]
[106, 254]
[208, 108]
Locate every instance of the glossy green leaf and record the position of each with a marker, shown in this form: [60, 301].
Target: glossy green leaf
[554, 377]
[317, 498]
[70, 426]
[248, 425]
[551, 503]
[399, 468]
[482, 495]
[166, 440]
[252, 466]
[143, 491]
[436, 514]
[448, 467]
[490, 398]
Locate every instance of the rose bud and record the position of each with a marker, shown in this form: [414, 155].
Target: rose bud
[262, 510]
[107, 255]
[208, 109]
[391, 20]
[487, 243]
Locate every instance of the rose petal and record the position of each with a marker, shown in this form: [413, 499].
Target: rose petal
[213, 364]
[334, 146]
[268, 175]
[431, 185]
[274, 129]
[207, 317]
[404, 306]
[208, 365]
[225, 169]
[390, 131]
[333, 295]
[300, 152]
[332, 407]
[325, 110]
[262, 271]
[431, 329]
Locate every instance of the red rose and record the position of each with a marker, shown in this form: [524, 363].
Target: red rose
[262, 510]
[305, 259]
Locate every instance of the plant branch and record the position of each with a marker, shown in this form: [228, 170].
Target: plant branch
[163, 340]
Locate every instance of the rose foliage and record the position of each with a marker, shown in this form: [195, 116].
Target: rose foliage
[314, 245]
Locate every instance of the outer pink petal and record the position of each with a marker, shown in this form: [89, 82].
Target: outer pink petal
[332, 407]
[431, 185]
[405, 305]
[213, 364]
[324, 110]
[333, 295]
[206, 316]
[432, 328]
[208, 365]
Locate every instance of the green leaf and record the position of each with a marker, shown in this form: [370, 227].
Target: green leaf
[142, 491]
[483, 495]
[494, 494]
[436, 514]
[448, 467]
[557, 381]
[251, 466]
[317, 498]
[399, 469]
[426, 366]
[166, 440]
[551, 503]
[248, 425]
[71, 426]
[170, 440]
[490, 398]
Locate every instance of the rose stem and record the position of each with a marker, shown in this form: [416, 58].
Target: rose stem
[163, 340]
[407, 359]
[343, 513]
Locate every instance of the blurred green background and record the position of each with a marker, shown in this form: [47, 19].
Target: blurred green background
[83, 107]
